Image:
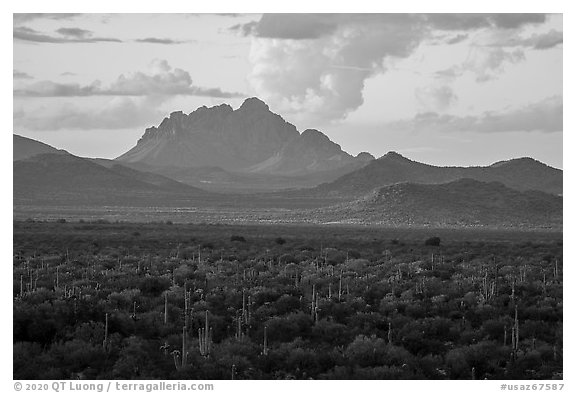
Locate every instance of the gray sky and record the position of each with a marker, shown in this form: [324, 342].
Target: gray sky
[447, 89]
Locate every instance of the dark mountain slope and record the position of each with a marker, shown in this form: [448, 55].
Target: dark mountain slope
[64, 178]
[23, 147]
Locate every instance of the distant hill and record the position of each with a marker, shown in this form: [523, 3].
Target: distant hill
[462, 203]
[155, 179]
[23, 147]
[219, 180]
[65, 178]
[520, 174]
[250, 139]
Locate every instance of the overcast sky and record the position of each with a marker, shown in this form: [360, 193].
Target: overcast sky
[446, 89]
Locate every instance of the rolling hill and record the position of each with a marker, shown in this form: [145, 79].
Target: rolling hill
[520, 174]
[461, 203]
[67, 179]
[23, 147]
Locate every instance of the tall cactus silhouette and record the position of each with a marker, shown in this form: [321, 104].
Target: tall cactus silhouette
[105, 342]
[265, 349]
[205, 338]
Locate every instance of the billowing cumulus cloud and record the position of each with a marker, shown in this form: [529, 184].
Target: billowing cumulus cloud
[119, 113]
[161, 80]
[321, 70]
[317, 64]
[136, 101]
[543, 116]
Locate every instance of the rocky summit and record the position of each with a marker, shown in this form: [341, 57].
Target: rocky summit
[250, 139]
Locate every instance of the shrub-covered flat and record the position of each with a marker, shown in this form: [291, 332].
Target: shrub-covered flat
[176, 301]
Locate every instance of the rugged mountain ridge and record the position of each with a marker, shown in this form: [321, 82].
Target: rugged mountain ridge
[250, 139]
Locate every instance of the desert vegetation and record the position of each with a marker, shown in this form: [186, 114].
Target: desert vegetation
[145, 301]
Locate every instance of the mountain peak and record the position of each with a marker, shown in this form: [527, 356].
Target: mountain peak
[365, 156]
[392, 155]
[516, 161]
[176, 114]
[311, 134]
[222, 108]
[254, 104]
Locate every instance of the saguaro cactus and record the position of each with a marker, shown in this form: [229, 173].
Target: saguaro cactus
[265, 346]
[180, 357]
[205, 338]
[239, 333]
[313, 301]
[165, 348]
[165, 308]
[105, 342]
[184, 352]
[515, 334]
[58, 276]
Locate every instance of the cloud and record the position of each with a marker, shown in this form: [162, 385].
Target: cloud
[484, 63]
[161, 80]
[543, 116]
[244, 29]
[293, 26]
[21, 75]
[437, 98]
[456, 39]
[119, 113]
[66, 35]
[165, 41]
[74, 32]
[478, 21]
[315, 65]
[542, 41]
[311, 26]
[491, 63]
[22, 18]
[320, 68]
[514, 21]
[449, 74]
[548, 40]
